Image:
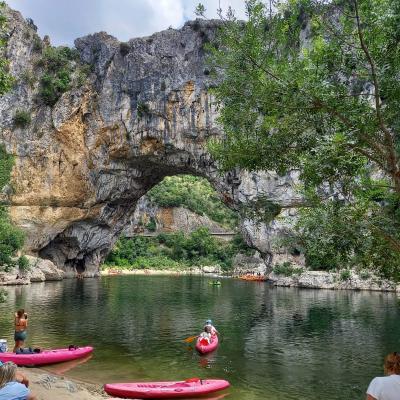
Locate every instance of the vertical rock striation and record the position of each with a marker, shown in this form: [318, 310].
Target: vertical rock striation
[144, 112]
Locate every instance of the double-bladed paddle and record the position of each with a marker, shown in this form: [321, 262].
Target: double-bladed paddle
[190, 339]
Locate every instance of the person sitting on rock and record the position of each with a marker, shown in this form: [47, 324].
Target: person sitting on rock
[13, 384]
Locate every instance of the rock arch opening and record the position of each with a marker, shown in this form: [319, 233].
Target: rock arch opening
[142, 114]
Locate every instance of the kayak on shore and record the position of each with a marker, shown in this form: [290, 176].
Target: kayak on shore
[256, 278]
[46, 356]
[203, 347]
[166, 390]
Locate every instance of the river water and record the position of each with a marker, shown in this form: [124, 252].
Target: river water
[276, 343]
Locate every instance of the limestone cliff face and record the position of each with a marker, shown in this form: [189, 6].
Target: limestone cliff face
[144, 113]
[170, 219]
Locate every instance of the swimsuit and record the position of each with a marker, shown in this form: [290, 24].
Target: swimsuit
[21, 335]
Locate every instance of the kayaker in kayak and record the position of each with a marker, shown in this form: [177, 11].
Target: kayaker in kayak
[205, 336]
[213, 331]
[21, 323]
[13, 385]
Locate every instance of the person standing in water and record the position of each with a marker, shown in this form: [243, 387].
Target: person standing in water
[21, 324]
[387, 387]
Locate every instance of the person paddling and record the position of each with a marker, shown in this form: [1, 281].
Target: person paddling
[213, 331]
[21, 324]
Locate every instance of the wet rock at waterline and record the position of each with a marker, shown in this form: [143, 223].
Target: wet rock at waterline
[141, 112]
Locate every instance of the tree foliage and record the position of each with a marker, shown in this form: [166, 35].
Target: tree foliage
[175, 250]
[193, 193]
[314, 86]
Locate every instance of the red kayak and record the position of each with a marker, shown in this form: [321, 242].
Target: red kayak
[166, 390]
[46, 356]
[203, 347]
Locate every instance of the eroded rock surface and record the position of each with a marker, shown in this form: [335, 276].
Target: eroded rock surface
[143, 113]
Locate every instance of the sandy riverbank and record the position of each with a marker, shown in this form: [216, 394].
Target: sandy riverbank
[48, 386]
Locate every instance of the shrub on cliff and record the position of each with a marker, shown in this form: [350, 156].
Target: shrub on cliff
[58, 64]
[11, 240]
[22, 118]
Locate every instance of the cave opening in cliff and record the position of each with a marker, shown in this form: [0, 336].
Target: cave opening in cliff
[179, 222]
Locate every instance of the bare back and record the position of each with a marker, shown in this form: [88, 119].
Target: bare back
[20, 324]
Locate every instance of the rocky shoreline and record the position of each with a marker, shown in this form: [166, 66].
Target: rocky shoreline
[41, 270]
[38, 270]
[349, 280]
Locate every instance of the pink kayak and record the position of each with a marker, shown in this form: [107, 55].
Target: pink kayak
[166, 390]
[203, 348]
[46, 356]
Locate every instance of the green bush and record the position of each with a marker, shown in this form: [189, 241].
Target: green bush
[23, 263]
[197, 249]
[124, 48]
[11, 240]
[345, 275]
[364, 275]
[287, 269]
[22, 118]
[58, 67]
[194, 193]
[151, 225]
[142, 109]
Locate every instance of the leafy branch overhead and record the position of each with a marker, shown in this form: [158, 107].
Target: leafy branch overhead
[315, 86]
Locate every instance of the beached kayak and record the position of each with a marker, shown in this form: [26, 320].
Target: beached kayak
[46, 356]
[166, 390]
[204, 348]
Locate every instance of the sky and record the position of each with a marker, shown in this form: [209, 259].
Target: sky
[66, 20]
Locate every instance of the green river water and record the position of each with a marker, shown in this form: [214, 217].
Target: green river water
[276, 343]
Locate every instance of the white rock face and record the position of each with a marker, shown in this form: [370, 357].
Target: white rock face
[333, 280]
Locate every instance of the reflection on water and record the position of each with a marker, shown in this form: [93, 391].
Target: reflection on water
[276, 343]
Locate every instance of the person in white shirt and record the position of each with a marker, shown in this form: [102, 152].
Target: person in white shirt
[213, 331]
[387, 387]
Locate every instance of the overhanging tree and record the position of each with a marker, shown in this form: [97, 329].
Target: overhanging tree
[315, 86]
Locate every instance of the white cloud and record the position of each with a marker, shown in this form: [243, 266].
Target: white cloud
[65, 20]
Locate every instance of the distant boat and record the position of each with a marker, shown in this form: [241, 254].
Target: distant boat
[258, 278]
[114, 272]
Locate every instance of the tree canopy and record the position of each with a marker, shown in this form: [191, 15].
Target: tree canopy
[314, 86]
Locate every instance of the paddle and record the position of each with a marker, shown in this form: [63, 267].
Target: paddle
[190, 339]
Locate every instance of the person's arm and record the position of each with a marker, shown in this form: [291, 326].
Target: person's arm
[31, 397]
[369, 397]
[21, 378]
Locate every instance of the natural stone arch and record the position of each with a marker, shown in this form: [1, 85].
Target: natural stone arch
[145, 113]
